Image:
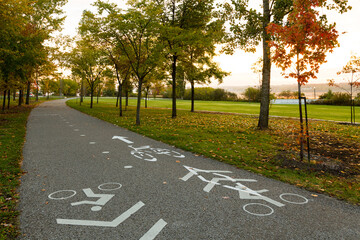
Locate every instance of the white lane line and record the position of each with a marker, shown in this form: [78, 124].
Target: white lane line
[125, 215]
[82, 135]
[154, 230]
[92, 142]
[106, 152]
[128, 167]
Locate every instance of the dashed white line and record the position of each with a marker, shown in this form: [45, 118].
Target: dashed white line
[154, 230]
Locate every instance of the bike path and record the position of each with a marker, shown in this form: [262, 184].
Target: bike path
[84, 183]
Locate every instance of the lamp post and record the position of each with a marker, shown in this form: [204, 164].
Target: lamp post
[314, 93]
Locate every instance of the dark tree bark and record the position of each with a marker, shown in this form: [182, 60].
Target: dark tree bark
[265, 87]
[4, 101]
[174, 86]
[8, 96]
[20, 97]
[192, 96]
[28, 93]
[138, 102]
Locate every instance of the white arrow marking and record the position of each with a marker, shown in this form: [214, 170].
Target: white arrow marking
[113, 223]
[154, 230]
[122, 139]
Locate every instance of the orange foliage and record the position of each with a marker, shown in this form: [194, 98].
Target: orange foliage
[303, 42]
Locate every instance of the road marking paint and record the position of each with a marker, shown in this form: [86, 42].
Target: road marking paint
[82, 135]
[106, 152]
[128, 167]
[293, 194]
[113, 223]
[258, 214]
[154, 230]
[92, 142]
[122, 139]
[117, 186]
[103, 199]
[73, 193]
[76, 130]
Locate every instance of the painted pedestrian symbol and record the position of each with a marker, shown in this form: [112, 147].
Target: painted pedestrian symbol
[98, 204]
[243, 191]
[147, 152]
[98, 200]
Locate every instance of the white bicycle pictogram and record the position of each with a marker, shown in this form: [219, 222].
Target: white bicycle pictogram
[146, 153]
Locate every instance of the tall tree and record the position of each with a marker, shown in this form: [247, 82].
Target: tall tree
[137, 33]
[248, 29]
[180, 20]
[302, 44]
[352, 72]
[87, 62]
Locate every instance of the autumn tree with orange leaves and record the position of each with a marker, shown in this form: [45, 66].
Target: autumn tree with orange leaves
[300, 46]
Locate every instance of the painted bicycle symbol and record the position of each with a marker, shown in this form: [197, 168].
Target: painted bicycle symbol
[244, 192]
[98, 204]
[146, 153]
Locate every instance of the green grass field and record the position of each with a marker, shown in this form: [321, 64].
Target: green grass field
[236, 140]
[325, 112]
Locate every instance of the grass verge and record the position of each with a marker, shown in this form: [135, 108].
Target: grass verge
[334, 168]
[325, 112]
[12, 137]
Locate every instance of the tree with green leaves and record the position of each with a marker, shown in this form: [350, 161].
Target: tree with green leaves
[351, 72]
[248, 29]
[182, 21]
[137, 34]
[87, 62]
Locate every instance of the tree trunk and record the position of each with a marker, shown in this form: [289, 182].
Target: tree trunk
[81, 91]
[92, 95]
[265, 86]
[138, 103]
[120, 101]
[127, 99]
[37, 91]
[192, 96]
[117, 96]
[174, 86]
[20, 97]
[301, 125]
[28, 93]
[14, 95]
[4, 101]
[8, 105]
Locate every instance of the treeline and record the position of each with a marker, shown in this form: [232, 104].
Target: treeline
[25, 26]
[337, 98]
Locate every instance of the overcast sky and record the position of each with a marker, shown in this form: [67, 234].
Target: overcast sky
[240, 63]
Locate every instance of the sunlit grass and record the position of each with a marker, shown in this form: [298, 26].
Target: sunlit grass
[325, 112]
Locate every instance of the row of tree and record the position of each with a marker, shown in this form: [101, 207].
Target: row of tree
[164, 40]
[25, 27]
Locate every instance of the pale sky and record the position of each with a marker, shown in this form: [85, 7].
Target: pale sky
[239, 64]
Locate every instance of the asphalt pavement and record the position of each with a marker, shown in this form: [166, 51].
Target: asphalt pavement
[88, 179]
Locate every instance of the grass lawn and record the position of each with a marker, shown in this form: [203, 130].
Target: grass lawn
[12, 136]
[325, 112]
[335, 163]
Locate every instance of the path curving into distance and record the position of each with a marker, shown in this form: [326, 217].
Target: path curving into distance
[88, 179]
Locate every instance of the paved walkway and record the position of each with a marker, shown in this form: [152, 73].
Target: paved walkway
[88, 179]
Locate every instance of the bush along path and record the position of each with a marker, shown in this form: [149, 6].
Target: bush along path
[334, 168]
